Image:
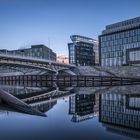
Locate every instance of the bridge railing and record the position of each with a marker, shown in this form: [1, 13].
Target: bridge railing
[67, 81]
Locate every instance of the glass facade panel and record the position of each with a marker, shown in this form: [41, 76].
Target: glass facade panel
[134, 56]
[114, 42]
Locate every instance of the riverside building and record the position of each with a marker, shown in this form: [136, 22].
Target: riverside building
[83, 51]
[36, 51]
[119, 43]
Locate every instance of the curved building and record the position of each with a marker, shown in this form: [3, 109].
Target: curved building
[83, 51]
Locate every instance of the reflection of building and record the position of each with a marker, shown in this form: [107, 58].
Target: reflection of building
[119, 111]
[83, 106]
[63, 59]
[117, 41]
[82, 51]
[122, 131]
[37, 51]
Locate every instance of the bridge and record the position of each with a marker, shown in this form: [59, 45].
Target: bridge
[30, 64]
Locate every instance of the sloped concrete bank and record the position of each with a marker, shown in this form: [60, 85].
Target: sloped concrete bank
[120, 71]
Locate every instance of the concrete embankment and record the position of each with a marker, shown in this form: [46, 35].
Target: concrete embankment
[125, 71]
[18, 104]
[120, 71]
[94, 71]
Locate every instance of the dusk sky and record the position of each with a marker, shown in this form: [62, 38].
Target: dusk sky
[26, 22]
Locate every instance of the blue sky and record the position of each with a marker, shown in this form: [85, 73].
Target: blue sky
[51, 22]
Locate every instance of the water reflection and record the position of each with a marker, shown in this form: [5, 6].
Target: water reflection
[116, 108]
[6, 110]
[83, 106]
[42, 99]
[22, 90]
[44, 106]
[120, 113]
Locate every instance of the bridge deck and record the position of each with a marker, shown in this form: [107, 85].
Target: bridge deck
[14, 58]
[67, 81]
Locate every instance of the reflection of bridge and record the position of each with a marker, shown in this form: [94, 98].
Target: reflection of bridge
[27, 64]
[38, 102]
[44, 106]
[46, 96]
[45, 100]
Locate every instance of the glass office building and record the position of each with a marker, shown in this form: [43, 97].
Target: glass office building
[83, 51]
[36, 51]
[119, 43]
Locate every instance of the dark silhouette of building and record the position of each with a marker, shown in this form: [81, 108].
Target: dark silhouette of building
[36, 51]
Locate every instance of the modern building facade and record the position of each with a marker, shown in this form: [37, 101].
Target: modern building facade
[83, 51]
[36, 51]
[117, 43]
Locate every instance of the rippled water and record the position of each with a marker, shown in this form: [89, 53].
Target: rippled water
[80, 113]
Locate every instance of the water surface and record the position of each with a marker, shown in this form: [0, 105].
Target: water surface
[84, 113]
